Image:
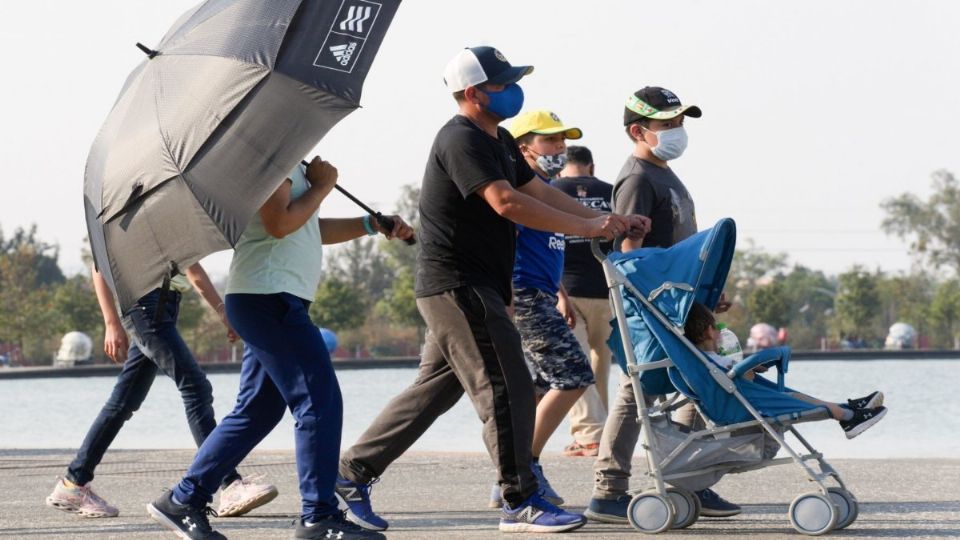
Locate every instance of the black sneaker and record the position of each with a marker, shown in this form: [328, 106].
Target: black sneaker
[188, 522]
[335, 527]
[871, 401]
[713, 505]
[863, 419]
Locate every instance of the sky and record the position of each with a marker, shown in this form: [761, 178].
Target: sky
[814, 111]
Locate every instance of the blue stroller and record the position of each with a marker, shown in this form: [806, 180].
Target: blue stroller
[652, 290]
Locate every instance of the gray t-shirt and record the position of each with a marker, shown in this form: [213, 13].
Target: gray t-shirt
[656, 192]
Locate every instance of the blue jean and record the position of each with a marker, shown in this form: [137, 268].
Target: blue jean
[154, 345]
[285, 365]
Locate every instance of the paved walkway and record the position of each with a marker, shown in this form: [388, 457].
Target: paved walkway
[443, 496]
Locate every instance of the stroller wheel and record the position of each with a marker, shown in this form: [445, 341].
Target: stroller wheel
[813, 514]
[651, 513]
[847, 506]
[686, 507]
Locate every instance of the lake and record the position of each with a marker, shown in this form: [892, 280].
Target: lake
[923, 421]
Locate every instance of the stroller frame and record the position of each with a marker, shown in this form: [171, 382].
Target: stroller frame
[661, 508]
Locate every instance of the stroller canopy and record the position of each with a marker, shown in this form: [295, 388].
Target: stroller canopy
[693, 270]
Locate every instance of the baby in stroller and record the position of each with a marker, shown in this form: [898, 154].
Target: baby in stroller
[855, 416]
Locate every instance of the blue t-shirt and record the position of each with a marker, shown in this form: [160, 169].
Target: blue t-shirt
[539, 259]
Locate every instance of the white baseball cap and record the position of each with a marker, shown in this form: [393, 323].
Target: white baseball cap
[475, 65]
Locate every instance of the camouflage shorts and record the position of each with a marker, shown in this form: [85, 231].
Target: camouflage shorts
[555, 357]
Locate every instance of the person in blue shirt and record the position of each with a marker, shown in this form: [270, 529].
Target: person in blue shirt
[543, 313]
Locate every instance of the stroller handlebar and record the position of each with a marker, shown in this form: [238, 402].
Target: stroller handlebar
[597, 249]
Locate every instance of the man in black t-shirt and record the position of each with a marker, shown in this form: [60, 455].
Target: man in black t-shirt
[587, 289]
[475, 187]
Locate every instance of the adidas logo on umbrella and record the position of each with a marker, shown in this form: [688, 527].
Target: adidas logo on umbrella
[344, 52]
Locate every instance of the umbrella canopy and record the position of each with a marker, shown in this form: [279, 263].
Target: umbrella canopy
[212, 121]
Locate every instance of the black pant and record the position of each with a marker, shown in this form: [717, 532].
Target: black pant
[473, 346]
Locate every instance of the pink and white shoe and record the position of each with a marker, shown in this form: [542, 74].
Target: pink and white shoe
[244, 495]
[80, 500]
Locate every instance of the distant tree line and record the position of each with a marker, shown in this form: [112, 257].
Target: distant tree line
[367, 295]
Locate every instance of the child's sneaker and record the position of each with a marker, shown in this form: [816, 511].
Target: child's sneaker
[354, 498]
[334, 527]
[188, 522]
[578, 449]
[863, 419]
[546, 489]
[80, 500]
[871, 401]
[537, 515]
[609, 510]
[243, 495]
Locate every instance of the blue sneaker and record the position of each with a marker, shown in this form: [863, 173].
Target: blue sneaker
[713, 505]
[537, 515]
[354, 499]
[609, 510]
[546, 489]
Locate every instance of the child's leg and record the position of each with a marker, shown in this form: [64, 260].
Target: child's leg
[836, 411]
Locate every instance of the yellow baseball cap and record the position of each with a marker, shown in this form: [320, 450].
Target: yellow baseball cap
[542, 123]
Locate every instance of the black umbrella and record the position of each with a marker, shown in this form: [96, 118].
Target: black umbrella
[209, 125]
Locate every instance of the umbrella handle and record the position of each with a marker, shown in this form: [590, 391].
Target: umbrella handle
[385, 222]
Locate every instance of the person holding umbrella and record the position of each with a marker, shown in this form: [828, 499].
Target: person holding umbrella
[156, 345]
[476, 186]
[273, 278]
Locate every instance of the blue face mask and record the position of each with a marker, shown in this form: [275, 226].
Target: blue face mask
[507, 102]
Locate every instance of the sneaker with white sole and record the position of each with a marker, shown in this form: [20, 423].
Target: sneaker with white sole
[863, 419]
[80, 500]
[354, 499]
[536, 514]
[185, 521]
[870, 401]
[335, 527]
[245, 494]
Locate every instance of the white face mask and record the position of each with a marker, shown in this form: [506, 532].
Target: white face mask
[670, 143]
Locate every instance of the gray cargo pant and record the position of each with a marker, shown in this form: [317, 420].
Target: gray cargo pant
[473, 346]
[617, 443]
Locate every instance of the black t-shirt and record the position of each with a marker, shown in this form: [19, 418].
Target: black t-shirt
[582, 273]
[462, 240]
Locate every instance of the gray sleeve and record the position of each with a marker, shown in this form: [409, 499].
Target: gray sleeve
[634, 195]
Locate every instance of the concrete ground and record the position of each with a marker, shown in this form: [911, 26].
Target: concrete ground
[441, 496]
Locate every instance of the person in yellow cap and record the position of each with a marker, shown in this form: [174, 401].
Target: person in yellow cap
[543, 313]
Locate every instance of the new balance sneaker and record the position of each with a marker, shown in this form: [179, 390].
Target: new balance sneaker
[546, 489]
[187, 522]
[335, 527]
[609, 510]
[870, 401]
[713, 505]
[578, 449]
[863, 419]
[354, 499]
[80, 500]
[536, 514]
[245, 494]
